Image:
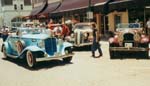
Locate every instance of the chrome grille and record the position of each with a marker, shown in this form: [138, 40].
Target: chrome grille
[128, 38]
[50, 46]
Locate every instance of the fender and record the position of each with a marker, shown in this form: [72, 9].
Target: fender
[32, 49]
[65, 45]
[7, 47]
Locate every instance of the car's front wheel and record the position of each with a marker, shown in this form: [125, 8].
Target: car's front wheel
[67, 60]
[30, 58]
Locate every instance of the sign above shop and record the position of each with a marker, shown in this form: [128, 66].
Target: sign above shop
[89, 15]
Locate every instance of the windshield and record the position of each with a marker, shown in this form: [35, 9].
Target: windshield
[32, 30]
[129, 25]
[82, 27]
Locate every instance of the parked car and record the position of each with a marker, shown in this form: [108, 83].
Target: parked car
[60, 30]
[36, 45]
[82, 35]
[129, 39]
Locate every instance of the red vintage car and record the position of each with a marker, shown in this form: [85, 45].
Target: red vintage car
[129, 39]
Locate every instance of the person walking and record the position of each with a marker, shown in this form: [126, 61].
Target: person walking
[95, 44]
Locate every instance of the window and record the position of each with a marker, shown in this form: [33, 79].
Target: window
[15, 6]
[27, 2]
[117, 20]
[21, 6]
[7, 2]
[38, 1]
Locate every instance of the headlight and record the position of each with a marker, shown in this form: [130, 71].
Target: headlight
[120, 37]
[137, 37]
[66, 52]
[59, 41]
[41, 44]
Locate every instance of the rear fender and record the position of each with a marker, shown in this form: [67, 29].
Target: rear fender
[7, 47]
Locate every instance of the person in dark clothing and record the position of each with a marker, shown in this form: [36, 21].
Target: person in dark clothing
[95, 44]
[5, 35]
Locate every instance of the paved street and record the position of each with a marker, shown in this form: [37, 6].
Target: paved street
[82, 71]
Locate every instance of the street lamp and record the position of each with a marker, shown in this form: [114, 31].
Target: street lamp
[89, 5]
[89, 12]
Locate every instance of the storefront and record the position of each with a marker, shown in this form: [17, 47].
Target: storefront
[119, 11]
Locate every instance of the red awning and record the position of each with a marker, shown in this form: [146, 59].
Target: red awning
[51, 7]
[37, 10]
[68, 5]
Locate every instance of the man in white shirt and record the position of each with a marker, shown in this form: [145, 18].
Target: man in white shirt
[148, 26]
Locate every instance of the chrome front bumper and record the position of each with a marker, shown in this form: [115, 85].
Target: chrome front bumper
[54, 57]
[82, 44]
[127, 49]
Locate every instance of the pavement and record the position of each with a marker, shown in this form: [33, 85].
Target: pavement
[82, 71]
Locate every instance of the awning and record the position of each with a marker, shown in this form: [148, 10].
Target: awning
[51, 7]
[121, 5]
[119, 1]
[37, 10]
[69, 5]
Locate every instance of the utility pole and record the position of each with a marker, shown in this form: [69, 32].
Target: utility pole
[89, 12]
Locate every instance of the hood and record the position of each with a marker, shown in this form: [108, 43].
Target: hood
[36, 36]
[83, 30]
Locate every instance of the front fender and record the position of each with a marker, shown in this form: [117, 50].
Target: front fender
[32, 49]
[66, 45]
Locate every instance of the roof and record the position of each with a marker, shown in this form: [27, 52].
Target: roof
[38, 10]
[85, 23]
[69, 5]
[51, 7]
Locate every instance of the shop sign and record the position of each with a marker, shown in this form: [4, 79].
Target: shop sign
[89, 15]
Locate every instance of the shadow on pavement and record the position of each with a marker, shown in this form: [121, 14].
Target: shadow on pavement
[83, 48]
[39, 65]
[130, 56]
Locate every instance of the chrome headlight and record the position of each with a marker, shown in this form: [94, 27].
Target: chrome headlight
[59, 41]
[137, 37]
[66, 52]
[41, 44]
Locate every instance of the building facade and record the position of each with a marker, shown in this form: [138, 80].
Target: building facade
[13, 11]
[119, 11]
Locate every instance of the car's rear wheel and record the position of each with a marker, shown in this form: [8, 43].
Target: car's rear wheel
[4, 52]
[67, 60]
[30, 58]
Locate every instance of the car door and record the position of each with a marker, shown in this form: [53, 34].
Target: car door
[12, 43]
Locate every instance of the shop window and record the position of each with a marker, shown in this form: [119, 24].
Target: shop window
[7, 2]
[27, 2]
[117, 19]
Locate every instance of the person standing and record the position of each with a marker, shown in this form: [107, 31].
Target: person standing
[5, 33]
[95, 43]
[148, 26]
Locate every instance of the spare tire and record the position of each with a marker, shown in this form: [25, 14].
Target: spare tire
[20, 46]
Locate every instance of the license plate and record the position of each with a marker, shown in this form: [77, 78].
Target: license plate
[128, 45]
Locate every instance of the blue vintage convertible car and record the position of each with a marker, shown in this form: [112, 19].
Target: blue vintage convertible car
[36, 45]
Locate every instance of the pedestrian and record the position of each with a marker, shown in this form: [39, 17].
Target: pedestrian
[65, 30]
[5, 34]
[95, 43]
[148, 26]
